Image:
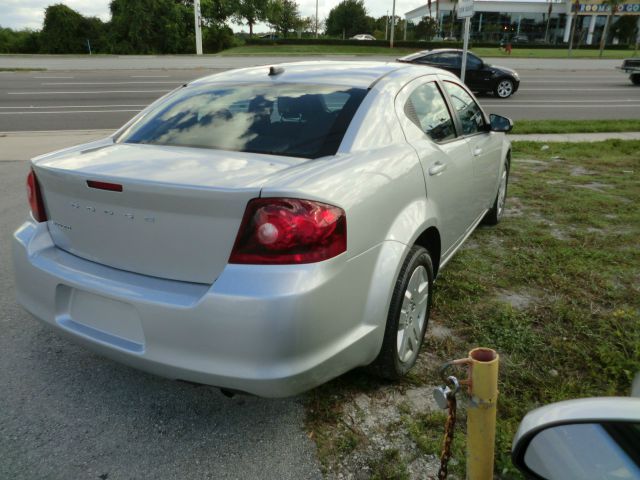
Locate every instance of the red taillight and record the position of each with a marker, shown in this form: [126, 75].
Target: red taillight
[112, 187]
[35, 198]
[289, 230]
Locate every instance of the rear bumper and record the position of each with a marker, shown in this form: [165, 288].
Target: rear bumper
[268, 330]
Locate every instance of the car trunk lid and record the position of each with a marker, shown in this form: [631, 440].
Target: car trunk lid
[176, 216]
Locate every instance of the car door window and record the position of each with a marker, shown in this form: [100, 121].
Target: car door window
[453, 59]
[468, 111]
[428, 110]
[473, 62]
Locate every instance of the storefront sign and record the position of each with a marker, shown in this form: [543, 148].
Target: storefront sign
[592, 7]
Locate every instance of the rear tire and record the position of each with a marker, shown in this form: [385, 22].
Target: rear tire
[408, 316]
[494, 215]
[504, 88]
[635, 78]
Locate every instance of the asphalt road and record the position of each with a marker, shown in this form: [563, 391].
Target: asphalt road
[106, 99]
[66, 413]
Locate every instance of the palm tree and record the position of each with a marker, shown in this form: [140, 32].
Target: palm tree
[613, 5]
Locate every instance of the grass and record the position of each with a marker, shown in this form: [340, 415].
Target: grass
[372, 50]
[552, 53]
[22, 69]
[316, 50]
[575, 126]
[390, 466]
[569, 250]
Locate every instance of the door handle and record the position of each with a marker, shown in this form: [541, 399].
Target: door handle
[437, 168]
[477, 152]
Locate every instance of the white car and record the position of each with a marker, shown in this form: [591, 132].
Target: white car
[363, 36]
[265, 229]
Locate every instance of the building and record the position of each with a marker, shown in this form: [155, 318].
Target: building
[535, 21]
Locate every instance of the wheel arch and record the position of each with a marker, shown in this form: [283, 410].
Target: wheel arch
[430, 240]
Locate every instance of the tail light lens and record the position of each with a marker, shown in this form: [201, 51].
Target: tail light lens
[34, 195]
[276, 231]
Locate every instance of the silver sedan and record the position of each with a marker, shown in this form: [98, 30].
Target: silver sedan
[266, 229]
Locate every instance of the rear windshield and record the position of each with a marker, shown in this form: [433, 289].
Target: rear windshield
[297, 120]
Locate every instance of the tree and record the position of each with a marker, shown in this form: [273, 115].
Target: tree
[452, 16]
[626, 29]
[251, 12]
[613, 6]
[151, 26]
[18, 41]
[348, 18]
[283, 16]
[426, 28]
[67, 31]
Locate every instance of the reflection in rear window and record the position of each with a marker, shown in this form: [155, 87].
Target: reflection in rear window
[287, 119]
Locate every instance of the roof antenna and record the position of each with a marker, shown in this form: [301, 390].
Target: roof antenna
[275, 71]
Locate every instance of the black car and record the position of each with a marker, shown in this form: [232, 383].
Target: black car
[479, 76]
[632, 67]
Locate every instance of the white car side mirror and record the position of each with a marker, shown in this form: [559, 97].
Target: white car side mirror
[591, 438]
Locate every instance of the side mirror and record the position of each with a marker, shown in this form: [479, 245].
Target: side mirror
[500, 123]
[591, 438]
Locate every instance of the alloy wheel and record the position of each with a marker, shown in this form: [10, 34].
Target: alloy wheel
[413, 315]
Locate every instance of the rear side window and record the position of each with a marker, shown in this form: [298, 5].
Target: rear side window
[428, 110]
[468, 110]
[287, 119]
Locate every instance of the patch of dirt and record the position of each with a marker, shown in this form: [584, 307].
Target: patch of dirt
[517, 300]
[534, 165]
[558, 234]
[377, 421]
[439, 331]
[513, 207]
[595, 186]
[580, 171]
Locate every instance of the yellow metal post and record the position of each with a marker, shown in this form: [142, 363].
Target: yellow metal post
[481, 413]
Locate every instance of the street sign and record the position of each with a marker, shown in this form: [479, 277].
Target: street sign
[465, 8]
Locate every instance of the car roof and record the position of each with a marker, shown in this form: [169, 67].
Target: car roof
[422, 53]
[353, 73]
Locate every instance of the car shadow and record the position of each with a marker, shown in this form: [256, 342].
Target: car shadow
[68, 413]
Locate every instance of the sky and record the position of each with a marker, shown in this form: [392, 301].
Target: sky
[19, 14]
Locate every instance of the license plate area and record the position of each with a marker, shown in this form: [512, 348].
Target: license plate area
[99, 318]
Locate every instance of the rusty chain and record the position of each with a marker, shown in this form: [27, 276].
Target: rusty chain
[449, 425]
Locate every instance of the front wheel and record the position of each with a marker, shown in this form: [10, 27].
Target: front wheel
[635, 78]
[494, 215]
[504, 88]
[408, 316]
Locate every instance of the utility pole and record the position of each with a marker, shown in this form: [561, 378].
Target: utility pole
[197, 17]
[386, 26]
[393, 22]
[316, 18]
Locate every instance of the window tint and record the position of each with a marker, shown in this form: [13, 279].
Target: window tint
[444, 59]
[434, 59]
[473, 62]
[288, 119]
[428, 110]
[452, 59]
[468, 110]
